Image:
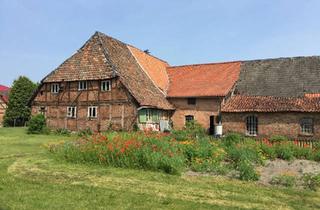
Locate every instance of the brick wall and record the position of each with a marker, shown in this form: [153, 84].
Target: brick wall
[204, 108]
[286, 124]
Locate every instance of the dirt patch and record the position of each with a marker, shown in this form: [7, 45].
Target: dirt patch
[280, 167]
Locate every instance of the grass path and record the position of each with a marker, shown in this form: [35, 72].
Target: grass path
[31, 179]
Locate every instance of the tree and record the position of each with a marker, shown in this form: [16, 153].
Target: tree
[18, 112]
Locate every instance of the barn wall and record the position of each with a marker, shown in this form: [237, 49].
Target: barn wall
[269, 124]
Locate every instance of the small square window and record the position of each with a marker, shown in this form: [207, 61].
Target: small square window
[82, 85]
[189, 118]
[55, 87]
[106, 85]
[92, 112]
[71, 112]
[192, 101]
[42, 110]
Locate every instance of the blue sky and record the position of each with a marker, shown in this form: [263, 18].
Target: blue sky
[36, 35]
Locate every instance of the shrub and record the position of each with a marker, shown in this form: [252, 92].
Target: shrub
[37, 125]
[302, 152]
[247, 171]
[192, 130]
[316, 155]
[63, 132]
[284, 151]
[278, 139]
[285, 180]
[232, 138]
[311, 181]
[268, 151]
[248, 152]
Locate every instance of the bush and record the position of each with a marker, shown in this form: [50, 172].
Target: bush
[63, 132]
[284, 180]
[247, 171]
[278, 139]
[311, 181]
[37, 125]
[232, 138]
[284, 151]
[192, 130]
[316, 155]
[268, 151]
[302, 153]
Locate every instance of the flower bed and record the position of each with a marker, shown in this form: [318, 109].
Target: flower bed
[200, 153]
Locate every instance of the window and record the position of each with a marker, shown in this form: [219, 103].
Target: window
[92, 112]
[82, 85]
[42, 110]
[189, 118]
[192, 101]
[71, 112]
[106, 85]
[252, 125]
[306, 126]
[55, 88]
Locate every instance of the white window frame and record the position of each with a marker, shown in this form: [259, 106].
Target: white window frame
[83, 85]
[55, 87]
[71, 112]
[106, 85]
[91, 113]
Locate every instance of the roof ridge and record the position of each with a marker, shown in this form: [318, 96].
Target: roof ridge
[201, 64]
[103, 34]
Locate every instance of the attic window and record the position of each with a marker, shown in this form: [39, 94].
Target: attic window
[82, 85]
[306, 126]
[106, 85]
[252, 125]
[192, 101]
[55, 87]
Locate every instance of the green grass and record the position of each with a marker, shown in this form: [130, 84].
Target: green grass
[30, 178]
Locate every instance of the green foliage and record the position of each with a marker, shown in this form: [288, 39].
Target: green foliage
[63, 132]
[311, 181]
[283, 180]
[126, 151]
[85, 132]
[285, 151]
[268, 151]
[232, 138]
[302, 153]
[192, 130]
[278, 139]
[18, 111]
[247, 171]
[37, 125]
[316, 155]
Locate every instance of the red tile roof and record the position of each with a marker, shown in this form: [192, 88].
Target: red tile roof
[242, 103]
[154, 67]
[4, 88]
[201, 80]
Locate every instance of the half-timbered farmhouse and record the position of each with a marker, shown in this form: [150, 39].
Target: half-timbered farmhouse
[108, 84]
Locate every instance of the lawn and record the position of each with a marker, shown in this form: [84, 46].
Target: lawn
[31, 178]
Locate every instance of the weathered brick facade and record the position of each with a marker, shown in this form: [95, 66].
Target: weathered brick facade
[269, 124]
[3, 107]
[202, 110]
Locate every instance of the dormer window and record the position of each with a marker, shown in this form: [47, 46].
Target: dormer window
[82, 85]
[55, 87]
[106, 85]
